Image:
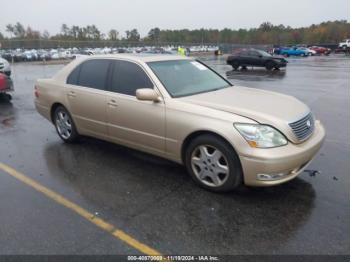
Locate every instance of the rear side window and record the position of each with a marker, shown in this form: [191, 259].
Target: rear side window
[253, 53]
[93, 73]
[128, 77]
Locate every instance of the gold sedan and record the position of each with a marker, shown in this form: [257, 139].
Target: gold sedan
[180, 109]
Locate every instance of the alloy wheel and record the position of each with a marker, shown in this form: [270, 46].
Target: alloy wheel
[210, 165]
[63, 124]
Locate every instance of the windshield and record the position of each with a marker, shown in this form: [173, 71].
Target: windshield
[263, 53]
[187, 77]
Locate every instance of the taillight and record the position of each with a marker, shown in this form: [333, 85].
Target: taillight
[36, 91]
[3, 82]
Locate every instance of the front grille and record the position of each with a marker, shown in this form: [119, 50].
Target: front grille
[304, 127]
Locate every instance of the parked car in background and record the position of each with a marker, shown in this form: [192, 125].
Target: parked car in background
[293, 51]
[345, 44]
[5, 67]
[255, 57]
[27, 56]
[180, 109]
[44, 55]
[307, 50]
[321, 50]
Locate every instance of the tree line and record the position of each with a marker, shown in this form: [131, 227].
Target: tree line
[267, 33]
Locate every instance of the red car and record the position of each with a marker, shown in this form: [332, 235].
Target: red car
[5, 86]
[321, 50]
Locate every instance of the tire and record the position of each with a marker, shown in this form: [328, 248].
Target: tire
[65, 126]
[235, 65]
[270, 65]
[213, 164]
[5, 97]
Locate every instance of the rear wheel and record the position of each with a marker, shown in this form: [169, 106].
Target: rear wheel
[65, 126]
[235, 65]
[213, 164]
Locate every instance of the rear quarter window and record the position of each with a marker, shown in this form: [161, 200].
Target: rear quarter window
[72, 79]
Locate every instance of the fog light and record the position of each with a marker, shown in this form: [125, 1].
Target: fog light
[270, 177]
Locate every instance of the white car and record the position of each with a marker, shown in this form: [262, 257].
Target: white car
[345, 43]
[5, 67]
[309, 51]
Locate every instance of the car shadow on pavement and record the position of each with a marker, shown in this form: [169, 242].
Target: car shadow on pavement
[7, 113]
[152, 193]
[256, 74]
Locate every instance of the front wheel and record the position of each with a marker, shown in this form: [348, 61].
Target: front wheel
[270, 65]
[213, 164]
[65, 126]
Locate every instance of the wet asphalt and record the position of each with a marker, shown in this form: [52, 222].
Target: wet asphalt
[155, 201]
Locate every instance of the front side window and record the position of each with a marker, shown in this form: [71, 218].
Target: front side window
[187, 77]
[93, 73]
[128, 77]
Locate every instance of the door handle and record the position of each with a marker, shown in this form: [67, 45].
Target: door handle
[112, 103]
[72, 94]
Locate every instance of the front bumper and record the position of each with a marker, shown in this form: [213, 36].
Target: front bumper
[290, 160]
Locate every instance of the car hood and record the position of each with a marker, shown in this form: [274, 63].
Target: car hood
[265, 107]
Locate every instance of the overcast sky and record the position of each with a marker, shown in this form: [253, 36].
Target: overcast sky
[174, 14]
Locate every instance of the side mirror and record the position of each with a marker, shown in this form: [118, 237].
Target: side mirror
[147, 94]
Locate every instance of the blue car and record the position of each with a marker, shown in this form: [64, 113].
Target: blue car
[291, 51]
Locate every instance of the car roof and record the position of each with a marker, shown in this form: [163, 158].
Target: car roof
[143, 57]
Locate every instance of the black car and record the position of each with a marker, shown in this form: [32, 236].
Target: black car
[254, 57]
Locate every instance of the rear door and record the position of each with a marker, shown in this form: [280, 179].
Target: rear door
[255, 59]
[130, 121]
[86, 95]
[244, 58]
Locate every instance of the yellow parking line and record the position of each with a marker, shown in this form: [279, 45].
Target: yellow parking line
[117, 233]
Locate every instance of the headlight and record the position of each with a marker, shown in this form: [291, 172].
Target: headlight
[261, 136]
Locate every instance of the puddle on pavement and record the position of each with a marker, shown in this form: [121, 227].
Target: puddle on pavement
[312, 172]
[255, 74]
[8, 122]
